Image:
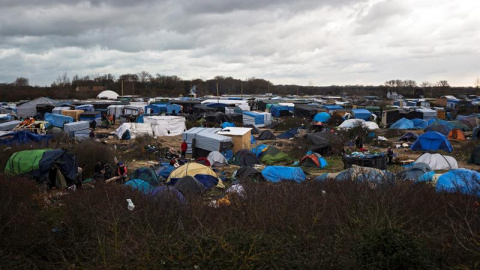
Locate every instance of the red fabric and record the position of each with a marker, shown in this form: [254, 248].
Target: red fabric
[184, 147]
[125, 170]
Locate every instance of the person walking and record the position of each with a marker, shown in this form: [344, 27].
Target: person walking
[184, 148]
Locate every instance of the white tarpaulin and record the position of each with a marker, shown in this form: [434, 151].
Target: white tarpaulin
[351, 123]
[136, 129]
[166, 125]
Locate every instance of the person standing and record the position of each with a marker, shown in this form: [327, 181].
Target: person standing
[184, 148]
[122, 171]
[390, 155]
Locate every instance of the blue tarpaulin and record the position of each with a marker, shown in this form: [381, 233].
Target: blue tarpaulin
[227, 124]
[461, 180]
[140, 185]
[22, 137]
[361, 114]
[321, 117]
[281, 173]
[57, 120]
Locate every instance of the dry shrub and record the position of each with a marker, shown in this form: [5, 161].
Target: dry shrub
[288, 123]
[89, 151]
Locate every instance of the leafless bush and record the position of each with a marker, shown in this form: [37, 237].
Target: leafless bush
[89, 151]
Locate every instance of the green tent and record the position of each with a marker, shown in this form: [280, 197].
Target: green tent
[24, 161]
[273, 156]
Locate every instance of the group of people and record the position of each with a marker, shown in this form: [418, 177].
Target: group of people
[27, 121]
[104, 172]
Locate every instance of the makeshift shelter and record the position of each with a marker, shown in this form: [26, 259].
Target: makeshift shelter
[188, 185]
[58, 110]
[282, 110]
[308, 111]
[459, 180]
[280, 173]
[166, 125]
[254, 130]
[205, 140]
[108, 94]
[91, 116]
[146, 174]
[313, 160]
[79, 130]
[361, 114]
[42, 109]
[266, 135]
[249, 174]
[456, 134]
[432, 141]
[378, 161]
[244, 158]
[58, 166]
[203, 174]
[134, 129]
[365, 174]
[322, 117]
[85, 107]
[288, 134]
[9, 125]
[29, 108]
[57, 120]
[408, 137]
[419, 123]
[216, 159]
[414, 172]
[139, 185]
[459, 125]
[217, 118]
[241, 137]
[116, 110]
[24, 137]
[427, 114]
[272, 155]
[438, 161]
[168, 194]
[475, 156]
[75, 114]
[257, 119]
[403, 124]
[469, 121]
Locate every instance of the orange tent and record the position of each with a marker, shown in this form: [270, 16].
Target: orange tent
[456, 134]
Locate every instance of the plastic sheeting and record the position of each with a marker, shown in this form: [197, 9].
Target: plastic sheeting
[9, 125]
[281, 173]
[57, 120]
[76, 126]
[166, 125]
[135, 129]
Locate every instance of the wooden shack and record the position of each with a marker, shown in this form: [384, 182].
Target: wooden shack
[241, 137]
[75, 114]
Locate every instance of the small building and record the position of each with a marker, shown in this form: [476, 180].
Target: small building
[241, 137]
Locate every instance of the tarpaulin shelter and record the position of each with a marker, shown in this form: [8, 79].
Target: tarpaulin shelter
[189, 185]
[9, 125]
[361, 114]
[257, 119]
[414, 172]
[438, 161]
[403, 124]
[288, 134]
[279, 110]
[217, 118]
[116, 110]
[456, 134]
[57, 120]
[475, 156]
[203, 174]
[365, 174]
[227, 125]
[459, 125]
[58, 110]
[281, 173]
[24, 137]
[85, 107]
[459, 180]
[139, 185]
[40, 163]
[42, 109]
[244, 158]
[313, 160]
[408, 137]
[427, 114]
[29, 108]
[266, 135]
[469, 121]
[206, 140]
[166, 125]
[432, 141]
[322, 117]
[321, 141]
[134, 129]
[146, 174]
[90, 116]
[308, 111]
[78, 130]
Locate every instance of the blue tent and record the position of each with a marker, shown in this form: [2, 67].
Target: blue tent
[57, 120]
[165, 170]
[289, 134]
[462, 180]
[321, 117]
[361, 114]
[419, 123]
[140, 185]
[432, 141]
[426, 177]
[23, 137]
[402, 124]
[280, 173]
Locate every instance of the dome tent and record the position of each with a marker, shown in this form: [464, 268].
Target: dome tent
[438, 161]
[188, 185]
[203, 174]
[146, 174]
[108, 94]
[432, 141]
[415, 172]
[140, 185]
[461, 180]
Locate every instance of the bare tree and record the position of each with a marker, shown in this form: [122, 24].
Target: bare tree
[443, 83]
[425, 84]
[21, 81]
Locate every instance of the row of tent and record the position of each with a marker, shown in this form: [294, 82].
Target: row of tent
[471, 123]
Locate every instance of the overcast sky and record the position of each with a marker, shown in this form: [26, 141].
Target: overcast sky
[341, 42]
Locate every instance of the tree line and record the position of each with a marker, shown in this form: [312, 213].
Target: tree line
[146, 84]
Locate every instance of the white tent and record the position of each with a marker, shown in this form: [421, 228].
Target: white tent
[108, 94]
[136, 129]
[166, 125]
[351, 123]
[216, 159]
[438, 161]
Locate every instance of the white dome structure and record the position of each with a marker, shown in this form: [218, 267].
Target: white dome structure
[108, 94]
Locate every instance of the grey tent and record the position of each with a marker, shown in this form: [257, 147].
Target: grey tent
[188, 185]
[216, 159]
[244, 158]
[266, 135]
[249, 174]
[414, 172]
